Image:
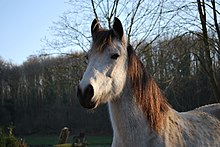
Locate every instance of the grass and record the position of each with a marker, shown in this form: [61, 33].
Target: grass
[94, 141]
[99, 139]
[63, 145]
[41, 139]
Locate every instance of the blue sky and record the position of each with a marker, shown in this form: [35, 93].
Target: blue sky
[24, 23]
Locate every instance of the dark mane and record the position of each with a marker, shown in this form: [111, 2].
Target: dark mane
[148, 95]
[102, 38]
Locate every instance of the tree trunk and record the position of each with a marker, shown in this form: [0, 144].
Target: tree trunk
[208, 65]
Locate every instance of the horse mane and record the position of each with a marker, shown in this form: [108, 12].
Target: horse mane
[148, 95]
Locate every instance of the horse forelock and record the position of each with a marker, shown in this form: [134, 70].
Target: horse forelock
[103, 38]
[146, 92]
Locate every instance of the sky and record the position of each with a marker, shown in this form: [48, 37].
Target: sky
[23, 25]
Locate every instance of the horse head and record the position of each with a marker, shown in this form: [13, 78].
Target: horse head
[105, 75]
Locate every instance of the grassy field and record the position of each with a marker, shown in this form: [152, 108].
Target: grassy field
[94, 141]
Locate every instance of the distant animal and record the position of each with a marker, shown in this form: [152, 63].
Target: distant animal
[139, 112]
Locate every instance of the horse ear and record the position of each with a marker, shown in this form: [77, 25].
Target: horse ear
[95, 26]
[118, 29]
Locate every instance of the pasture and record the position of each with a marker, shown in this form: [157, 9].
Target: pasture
[50, 140]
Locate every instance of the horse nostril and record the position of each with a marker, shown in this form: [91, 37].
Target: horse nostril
[85, 98]
[89, 92]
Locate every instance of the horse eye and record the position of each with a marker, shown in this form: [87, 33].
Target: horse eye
[87, 58]
[115, 56]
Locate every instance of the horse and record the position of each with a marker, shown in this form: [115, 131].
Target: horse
[139, 112]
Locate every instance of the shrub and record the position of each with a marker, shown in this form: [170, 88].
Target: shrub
[7, 140]
[11, 141]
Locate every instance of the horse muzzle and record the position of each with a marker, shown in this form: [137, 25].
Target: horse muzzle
[85, 97]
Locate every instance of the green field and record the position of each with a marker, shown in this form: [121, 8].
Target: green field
[94, 141]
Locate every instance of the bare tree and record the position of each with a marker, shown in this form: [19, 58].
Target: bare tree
[144, 21]
[207, 61]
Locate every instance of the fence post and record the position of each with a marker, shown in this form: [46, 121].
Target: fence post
[64, 134]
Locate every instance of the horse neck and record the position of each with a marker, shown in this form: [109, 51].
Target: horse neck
[130, 125]
[141, 108]
[126, 117]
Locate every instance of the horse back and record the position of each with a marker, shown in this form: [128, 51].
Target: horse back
[211, 109]
[201, 126]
